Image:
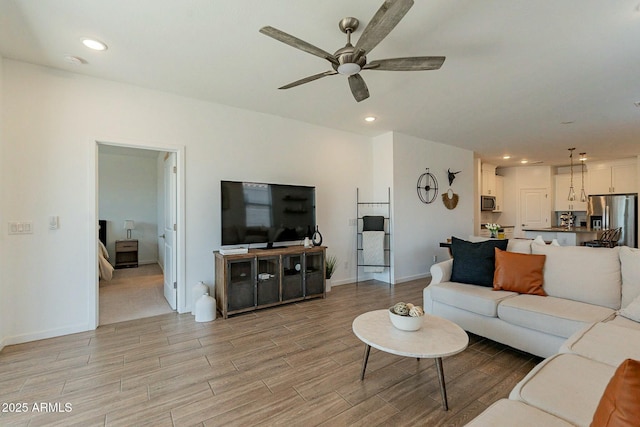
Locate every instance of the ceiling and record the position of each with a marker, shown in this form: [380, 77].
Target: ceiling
[525, 78]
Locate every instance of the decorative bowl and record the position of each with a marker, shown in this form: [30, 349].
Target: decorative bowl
[405, 323]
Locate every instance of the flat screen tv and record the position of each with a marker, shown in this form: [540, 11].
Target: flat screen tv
[254, 212]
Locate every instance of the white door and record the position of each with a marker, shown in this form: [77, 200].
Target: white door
[534, 208]
[170, 276]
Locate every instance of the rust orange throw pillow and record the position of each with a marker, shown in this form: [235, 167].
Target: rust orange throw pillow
[620, 402]
[518, 272]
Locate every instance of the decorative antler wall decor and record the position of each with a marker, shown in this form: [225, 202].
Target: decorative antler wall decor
[452, 175]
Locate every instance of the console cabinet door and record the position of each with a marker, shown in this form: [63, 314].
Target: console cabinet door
[313, 274]
[292, 277]
[241, 286]
[268, 280]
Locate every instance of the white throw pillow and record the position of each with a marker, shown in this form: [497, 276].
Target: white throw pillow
[630, 266]
[539, 240]
[632, 311]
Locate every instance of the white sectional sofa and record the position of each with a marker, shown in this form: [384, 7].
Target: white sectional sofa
[576, 327]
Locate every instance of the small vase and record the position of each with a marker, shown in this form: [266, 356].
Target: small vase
[317, 237]
[494, 234]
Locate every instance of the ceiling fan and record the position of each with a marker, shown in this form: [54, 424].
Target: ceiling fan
[350, 60]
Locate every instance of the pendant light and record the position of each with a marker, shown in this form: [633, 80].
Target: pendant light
[572, 192]
[583, 195]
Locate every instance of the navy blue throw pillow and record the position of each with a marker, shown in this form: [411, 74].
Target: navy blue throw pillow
[474, 263]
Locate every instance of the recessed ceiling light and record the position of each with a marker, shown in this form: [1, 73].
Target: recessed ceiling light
[76, 60]
[507, 157]
[94, 44]
[524, 161]
[370, 119]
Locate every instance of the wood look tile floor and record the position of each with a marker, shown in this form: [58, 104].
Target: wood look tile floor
[295, 365]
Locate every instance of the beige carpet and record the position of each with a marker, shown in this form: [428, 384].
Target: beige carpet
[133, 293]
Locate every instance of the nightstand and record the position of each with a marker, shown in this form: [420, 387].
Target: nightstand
[126, 253]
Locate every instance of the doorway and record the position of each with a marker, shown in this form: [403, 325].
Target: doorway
[160, 264]
[534, 208]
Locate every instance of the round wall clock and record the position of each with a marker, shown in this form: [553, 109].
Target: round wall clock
[427, 187]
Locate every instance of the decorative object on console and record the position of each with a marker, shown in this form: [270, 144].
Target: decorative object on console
[317, 237]
[129, 225]
[520, 273]
[450, 199]
[474, 263]
[572, 192]
[427, 187]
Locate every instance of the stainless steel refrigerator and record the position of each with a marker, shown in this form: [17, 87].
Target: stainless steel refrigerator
[613, 211]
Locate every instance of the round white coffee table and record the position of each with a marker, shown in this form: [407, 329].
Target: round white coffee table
[436, 339]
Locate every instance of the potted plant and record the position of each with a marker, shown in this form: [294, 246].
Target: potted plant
[330, 267]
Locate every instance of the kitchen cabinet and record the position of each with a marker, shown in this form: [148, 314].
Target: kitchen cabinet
[562, 184]
[613, 177]
[488, 187]
[499, 189]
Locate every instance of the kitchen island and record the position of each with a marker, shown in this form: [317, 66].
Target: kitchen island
[566, 236]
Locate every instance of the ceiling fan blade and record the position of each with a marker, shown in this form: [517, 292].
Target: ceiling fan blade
[385, 20]
[358, 87]
[309, 79]
[297, 43]
[414, 63]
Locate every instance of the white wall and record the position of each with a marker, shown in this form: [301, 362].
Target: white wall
[418, 227]
[128, 190]
[50, 139]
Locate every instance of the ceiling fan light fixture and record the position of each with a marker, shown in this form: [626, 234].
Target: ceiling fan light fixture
[348, 69]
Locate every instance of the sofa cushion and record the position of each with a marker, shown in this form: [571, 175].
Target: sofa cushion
[632, 311]
[517, 272]
[476, 299]
[623, 321]
[522, 246]
[581, 273]
[509, 413]
[630, 266]
[474, 263]
[620, 402]
[605, 342]
[565, 385]
[556, 316]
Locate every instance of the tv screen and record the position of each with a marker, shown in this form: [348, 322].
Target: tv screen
[253, 212]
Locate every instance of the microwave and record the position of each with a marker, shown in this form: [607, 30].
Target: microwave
[487, 203]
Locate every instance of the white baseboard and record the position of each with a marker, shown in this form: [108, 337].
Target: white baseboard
[347, 281]
[51, 333]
